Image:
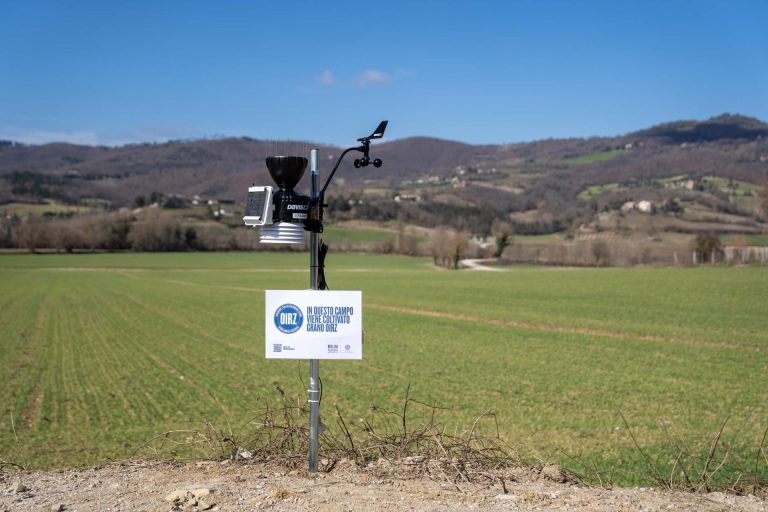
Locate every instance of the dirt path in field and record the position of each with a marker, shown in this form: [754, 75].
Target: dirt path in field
[527, 325]
[385, 486]
[476, 264]
[567, 329]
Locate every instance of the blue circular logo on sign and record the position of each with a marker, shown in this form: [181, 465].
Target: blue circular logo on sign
[288, 318]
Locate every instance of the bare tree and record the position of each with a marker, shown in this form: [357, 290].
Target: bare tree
[601, 253]
[448, 247]
[459, 242]
[439, 243]
[157, 232]
[9, 226]
[386, 246]
[118, 232]
[502, 236]
[708, 248]
[67, 236]
[94, 231]
[406, 242]
[33, 233]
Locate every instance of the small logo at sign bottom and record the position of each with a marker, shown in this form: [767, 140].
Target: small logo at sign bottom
[277, 347]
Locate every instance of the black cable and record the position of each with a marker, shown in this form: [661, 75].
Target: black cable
[322, 251]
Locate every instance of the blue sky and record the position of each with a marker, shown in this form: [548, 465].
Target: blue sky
[106, 72]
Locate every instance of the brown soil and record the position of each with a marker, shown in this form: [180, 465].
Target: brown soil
[382, 486]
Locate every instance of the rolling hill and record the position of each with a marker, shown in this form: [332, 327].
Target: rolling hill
[718, 166]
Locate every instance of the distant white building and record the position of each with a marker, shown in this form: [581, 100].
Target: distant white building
[457, 182]
[686, 184]
[628, 206]
[407, 198]
[645, 206]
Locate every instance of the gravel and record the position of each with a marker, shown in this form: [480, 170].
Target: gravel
[392, 486]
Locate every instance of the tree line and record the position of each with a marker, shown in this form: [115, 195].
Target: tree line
[154, 232]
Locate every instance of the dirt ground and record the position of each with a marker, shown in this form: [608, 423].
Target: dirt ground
[405, 485]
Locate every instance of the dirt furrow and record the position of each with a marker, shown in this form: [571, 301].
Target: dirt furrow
[536, 326]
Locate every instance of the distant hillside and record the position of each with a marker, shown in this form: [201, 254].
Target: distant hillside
[724, 127]
[553, 184]
[213, 168]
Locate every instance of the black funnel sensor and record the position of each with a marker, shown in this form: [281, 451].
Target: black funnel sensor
[288, 205]
[286, 170]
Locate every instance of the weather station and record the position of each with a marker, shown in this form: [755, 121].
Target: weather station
[309, 324]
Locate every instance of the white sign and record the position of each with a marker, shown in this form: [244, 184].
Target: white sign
[312, 324]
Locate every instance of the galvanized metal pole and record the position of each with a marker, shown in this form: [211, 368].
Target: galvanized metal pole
[314, 364]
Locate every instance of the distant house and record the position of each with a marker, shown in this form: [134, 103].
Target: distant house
[628, 206]
[686, 184]
[457, 182]
[645, 206]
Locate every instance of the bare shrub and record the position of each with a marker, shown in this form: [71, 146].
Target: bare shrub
[708, 467]
[414, 439]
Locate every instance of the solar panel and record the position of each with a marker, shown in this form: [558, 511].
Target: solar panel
[258, 207]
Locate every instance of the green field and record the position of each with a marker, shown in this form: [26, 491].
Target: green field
[597, 190]
[594, 157]
[52, 207]
[338, 233]
[102, 352]
[536, 239]
[757, 239]
[365, 237]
